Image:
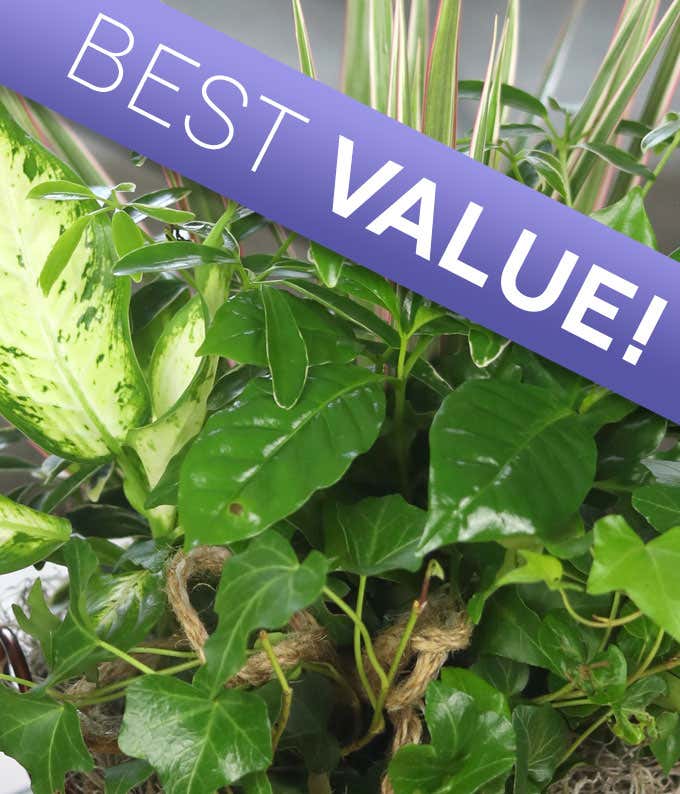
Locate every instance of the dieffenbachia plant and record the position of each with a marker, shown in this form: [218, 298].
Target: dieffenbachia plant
[378, 481]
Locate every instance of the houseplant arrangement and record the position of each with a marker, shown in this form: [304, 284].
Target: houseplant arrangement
[320, 533]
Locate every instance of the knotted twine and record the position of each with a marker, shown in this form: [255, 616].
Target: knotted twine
[440, 630]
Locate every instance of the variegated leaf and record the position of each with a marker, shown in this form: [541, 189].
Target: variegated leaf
[68, 375]
[27, 536]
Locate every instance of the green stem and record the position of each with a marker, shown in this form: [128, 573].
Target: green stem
[662, 163]
[287, 692]
[648, 659]
[613, 612]
[400, 416]
[558, 694]
[164, 652]
[599, 622]
[214, 239]
[16, 680]
[285, 245]
[351, 614]
[143, 668]
[598, 723]
[358, 658]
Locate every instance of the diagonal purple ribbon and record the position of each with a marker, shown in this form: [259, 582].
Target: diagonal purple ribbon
[378, 192]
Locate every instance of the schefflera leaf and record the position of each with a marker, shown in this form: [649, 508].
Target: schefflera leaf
[375, 535]
[69, 378]
[195, 742]
[43, 736]
[254, 463]
[27, 536]
[505, 459]
[269, 585]
[472, 744]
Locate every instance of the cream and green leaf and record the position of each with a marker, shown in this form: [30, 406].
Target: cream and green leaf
[68, 376]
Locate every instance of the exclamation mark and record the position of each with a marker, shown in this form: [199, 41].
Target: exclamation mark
[645, 329]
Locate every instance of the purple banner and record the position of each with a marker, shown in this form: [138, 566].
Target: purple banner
[381, 194]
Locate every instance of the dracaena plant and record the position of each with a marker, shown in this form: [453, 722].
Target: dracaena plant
[320, 534]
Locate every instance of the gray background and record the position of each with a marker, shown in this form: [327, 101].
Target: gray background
[266, 25]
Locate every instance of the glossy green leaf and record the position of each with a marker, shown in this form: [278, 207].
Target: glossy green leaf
[158, 198]
[542, 740]
[249, 467]
[375, 535]
[510, 629]
[126, 235]
[470, 748]
[511, 97]
[485, 345]
[659, 504]
[486, 697]
[629, 217]
[622, 446]
[28, 536]
[44, 737]
[238, 331]
[505, 675]
[666, 747]
[646, 573]
[163, 214]
[302, 37]
[41, 622]
[179, 255]
[440, 106]
[506, 459]
[328, 264]
[124, 777]
[69, 377]
[286, 350]
[348, 309]
[618, 158]
[61, 253]
[196, 743]
[270, 585]
[366, 285]
[605, 678]
[61, 190]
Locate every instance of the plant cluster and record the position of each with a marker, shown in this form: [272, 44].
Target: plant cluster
[285, 490]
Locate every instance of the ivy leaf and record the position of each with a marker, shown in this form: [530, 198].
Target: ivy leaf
[666, 748]
[44, 737]
[270, 585]
[505, 675]
[42, 622]
[604, 679]
[510, 629]
[622, 446]
[122, 778]
[286, 350]
[565, 645]
[375, 535]
[659, 503]
[542, 739]
[629, 217]
[486, 697]
[470, 748]
[646, 573]
[505, 459]
[328, 264]
[249, 467]
[238, 331]
[28, 536]
[195, 742]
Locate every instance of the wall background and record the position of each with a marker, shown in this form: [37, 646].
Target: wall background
[267, 26]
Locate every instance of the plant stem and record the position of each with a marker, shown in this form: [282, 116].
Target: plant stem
[556, 695]
[143, 668]
[613, 612]
[287, 692]
[214, 239]
[591, 729]
[662, 163]
[648, 659]
[399, 416]
[358, 658]
[15, 680]
[285, 245]
[352, 615]
[599, 622]
[164, 652]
